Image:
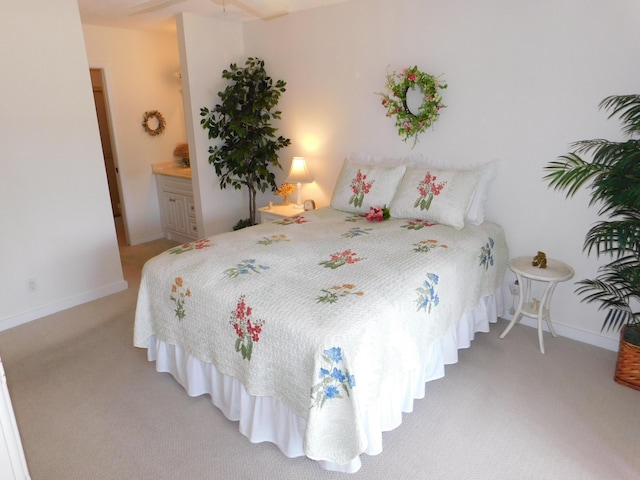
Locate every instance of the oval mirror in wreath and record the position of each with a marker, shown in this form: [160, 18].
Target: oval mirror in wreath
[413, 98]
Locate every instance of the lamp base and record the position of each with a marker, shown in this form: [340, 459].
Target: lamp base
[299, 205]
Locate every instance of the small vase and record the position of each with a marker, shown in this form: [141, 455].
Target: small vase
[285, 199]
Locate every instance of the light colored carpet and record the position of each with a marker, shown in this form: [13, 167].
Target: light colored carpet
[90, 406]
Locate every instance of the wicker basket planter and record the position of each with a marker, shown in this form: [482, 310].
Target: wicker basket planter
[628, 366]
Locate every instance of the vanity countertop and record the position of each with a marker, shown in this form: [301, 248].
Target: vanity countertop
[171, 169]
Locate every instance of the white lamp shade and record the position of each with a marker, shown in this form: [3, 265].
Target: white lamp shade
[299, 172]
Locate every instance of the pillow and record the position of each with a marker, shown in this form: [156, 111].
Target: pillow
[363, 158]
[435, 195]
[476, 212]
[475, 215]
[361, 186]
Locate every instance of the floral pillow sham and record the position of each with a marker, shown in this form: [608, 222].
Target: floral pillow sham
[435, 195]
[361, 186]
[476, 212]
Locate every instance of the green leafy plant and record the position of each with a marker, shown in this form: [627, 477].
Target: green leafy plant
[243, 121]
[613, 176]
[244, 223]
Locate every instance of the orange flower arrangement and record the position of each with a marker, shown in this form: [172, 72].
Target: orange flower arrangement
[285, 190]
[182, 150]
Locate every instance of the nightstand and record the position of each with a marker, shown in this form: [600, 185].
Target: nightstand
[526, 273]
[278, 212]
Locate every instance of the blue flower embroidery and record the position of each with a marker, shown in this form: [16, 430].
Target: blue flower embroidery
[427, 295]
[334, 354]
[244, 267]
[356, 232]
[333, 380]
[331, 391]
[486, 254]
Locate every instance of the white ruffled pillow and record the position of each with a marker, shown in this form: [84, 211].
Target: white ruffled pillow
[361, 186]
[435, 195]
[475, 215]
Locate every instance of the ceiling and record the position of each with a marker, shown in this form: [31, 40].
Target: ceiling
[159, 14]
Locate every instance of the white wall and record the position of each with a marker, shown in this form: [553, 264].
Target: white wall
[139, 71]
[525, 80]
[207, 47]
[57, 225]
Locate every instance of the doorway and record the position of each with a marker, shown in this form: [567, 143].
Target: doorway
[106, 137]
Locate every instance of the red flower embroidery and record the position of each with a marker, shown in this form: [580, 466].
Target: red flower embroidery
[428, 188]
[360, 187]
[247, 330]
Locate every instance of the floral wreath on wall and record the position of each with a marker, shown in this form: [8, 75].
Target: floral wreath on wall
[395, 101]
[162, 123]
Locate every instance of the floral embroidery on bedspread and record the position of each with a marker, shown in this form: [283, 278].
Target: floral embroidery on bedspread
[333, 380]
[244, 267]
[273, 239]
[356, 232]
[339, 259]
[416, 224]
[187, 247]
[425, 246]
[179, 293]
[248, 330]
[291, 220]
[335, 293]
[486, 254]
[427, 295]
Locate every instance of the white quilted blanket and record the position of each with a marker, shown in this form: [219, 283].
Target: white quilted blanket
[319, 310]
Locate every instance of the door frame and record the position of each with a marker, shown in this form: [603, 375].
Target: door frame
[104, 69]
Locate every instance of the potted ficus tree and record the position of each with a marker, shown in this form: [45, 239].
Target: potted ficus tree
[613, 175]
[243, 122]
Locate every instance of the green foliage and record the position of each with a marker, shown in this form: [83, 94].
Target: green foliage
[244, 223]
[242, 121]
[613, 176]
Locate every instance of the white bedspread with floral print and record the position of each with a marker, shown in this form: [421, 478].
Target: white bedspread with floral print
[319, 310]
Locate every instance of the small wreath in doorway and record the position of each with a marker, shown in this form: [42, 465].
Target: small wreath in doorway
[162, 123]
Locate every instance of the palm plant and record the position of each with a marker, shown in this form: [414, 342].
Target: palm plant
[614, 176]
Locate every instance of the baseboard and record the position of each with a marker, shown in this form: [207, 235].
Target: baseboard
[26, 317]
[150, 238]
[572, 333]
[177, 237]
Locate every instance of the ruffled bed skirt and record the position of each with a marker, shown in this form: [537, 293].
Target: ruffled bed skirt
[266, 419]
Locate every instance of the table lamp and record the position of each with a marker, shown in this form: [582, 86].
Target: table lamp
[298, 175]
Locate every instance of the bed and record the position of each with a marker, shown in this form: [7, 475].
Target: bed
[316, 332]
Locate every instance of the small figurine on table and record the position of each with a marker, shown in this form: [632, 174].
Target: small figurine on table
[540, 260]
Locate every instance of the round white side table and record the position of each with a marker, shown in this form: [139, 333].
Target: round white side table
[526, 273]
